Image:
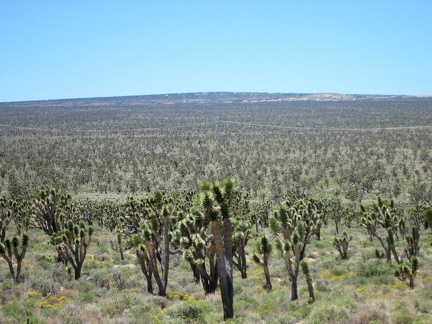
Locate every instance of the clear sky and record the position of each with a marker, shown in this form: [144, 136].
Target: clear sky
[72, 49]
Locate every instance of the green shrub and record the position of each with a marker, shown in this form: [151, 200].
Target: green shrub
[190, 311]
[374, 268]
[18, 312]
[87, 298]
[369, 313]
[324, 313]
[243, 302]
[335, 308]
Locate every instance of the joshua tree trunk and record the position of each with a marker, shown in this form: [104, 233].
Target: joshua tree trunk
[12, 272]
[268, 285]
[228, 254]
[310, 288]
[294, 293]
[411, 282]
[165, 253]
[77, 270]
[242, 263]
[146, 270]
[155, 271]
[227, 301]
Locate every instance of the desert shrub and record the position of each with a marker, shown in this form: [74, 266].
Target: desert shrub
[59, 274]
[45, 286]
[404, 312]
[322, 286]
[335, 308]
[87, 298]
[117, 304]
[374, 268]
[120, 281]
[328, 314]
[77, 314]
[191, 311]
[83, 285]
[367, 313]
[19, 312]
[243, 302]
[401, 317]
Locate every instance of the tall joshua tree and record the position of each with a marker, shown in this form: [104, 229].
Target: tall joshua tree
[243, 219]
[294, 224]
[72, 244]
[50, 210]
[192, 234]
[382, 221]
[148, 222]
[10, 250]
[216, 204]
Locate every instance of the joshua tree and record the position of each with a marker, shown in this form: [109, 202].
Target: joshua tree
[149, 222]
[341, 244]
[6, 214]
[120, 246]
[50, 210]
[143, 260]
[216, 204]
[72, 244]
[413, 240]
[243, 219]
[294, 224]
[242, 233]
[383, 216]
[264, 248]
[336, 212]
[192, 234]
[9, 250]
[408, 269]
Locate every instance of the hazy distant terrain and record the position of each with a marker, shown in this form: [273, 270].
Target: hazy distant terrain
[349, 145]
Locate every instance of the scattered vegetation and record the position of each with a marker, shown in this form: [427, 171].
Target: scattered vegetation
[124, 190]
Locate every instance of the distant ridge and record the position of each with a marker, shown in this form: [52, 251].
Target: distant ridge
[215, 97]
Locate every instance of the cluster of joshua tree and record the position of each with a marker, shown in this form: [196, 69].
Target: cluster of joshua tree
[210, 229]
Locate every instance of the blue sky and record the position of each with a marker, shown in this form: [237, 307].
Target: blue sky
[73, 49]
